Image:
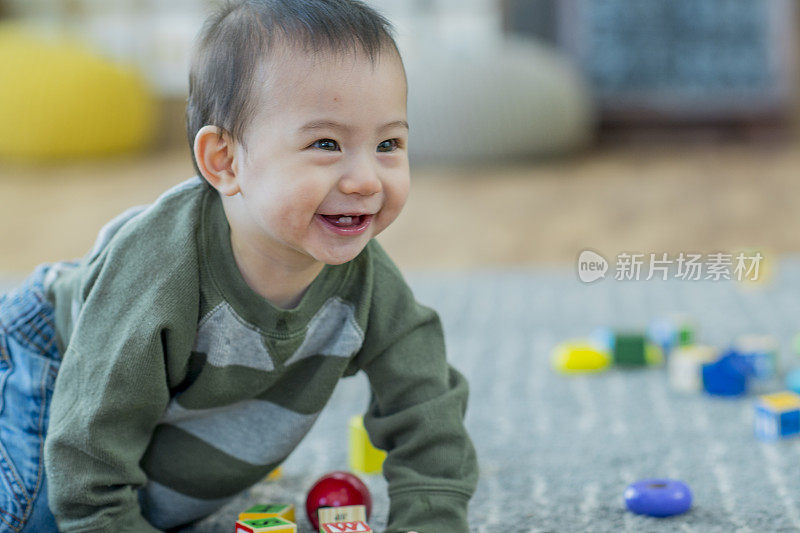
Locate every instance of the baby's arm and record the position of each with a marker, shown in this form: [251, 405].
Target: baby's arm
[111, 390]
[416, 414]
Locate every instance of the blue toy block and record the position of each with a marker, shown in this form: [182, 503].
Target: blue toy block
[727, 376]
[777, 416]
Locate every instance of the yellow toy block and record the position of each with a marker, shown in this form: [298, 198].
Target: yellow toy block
[348, 527]
[781, 401]
[275, 474]
[347, 513]
[364, 457]
[579, 356]
[269, 510]
[266, 525]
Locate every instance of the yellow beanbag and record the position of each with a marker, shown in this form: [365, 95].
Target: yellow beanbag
[58, 99]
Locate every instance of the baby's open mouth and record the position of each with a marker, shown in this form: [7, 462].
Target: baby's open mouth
[345, 221]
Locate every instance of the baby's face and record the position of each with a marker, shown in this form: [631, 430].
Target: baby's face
[326, 164]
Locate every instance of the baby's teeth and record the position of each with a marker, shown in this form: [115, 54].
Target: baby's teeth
[345, 220]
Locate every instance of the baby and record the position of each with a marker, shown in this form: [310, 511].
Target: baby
[186, 356]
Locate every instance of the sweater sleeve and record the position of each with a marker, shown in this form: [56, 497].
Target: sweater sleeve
[112, 388]
[416, 414]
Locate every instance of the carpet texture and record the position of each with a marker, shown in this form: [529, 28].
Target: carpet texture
[556, 453]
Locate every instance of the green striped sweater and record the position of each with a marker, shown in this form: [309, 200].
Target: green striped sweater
[180, 386]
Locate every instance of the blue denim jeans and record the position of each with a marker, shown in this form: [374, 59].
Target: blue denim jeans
[29, 362]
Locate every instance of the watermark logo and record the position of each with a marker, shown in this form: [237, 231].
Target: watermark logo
[631, 266]
[591, 266]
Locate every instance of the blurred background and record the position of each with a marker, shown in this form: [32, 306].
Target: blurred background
[539, 128]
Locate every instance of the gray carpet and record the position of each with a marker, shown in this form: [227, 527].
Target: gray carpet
[556, 453]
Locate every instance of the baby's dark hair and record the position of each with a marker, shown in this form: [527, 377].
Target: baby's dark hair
[241, 33]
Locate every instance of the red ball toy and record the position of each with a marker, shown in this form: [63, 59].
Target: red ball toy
[337, 489]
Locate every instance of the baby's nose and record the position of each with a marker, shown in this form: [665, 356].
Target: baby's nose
[361, 178]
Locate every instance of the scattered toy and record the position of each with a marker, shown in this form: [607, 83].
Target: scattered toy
[341, 527]
[633, 349]
[777, 415]
[347, 513]
[266, 525]
[269, 510]
[579, 356]
[658, 497]
[363, 456]
[275, 474]
[685, 366]
[670, 333]
[337, 489]
[726, 376]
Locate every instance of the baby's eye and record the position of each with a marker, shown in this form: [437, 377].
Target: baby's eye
[326, 144]
[389, 145]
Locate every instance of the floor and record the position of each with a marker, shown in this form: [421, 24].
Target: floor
[637, 198]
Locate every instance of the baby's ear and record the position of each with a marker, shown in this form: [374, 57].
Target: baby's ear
[214, 151]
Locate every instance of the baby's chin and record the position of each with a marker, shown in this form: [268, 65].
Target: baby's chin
[341, 255]
[340, 259]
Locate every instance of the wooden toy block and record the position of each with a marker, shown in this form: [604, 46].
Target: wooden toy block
[272, 524]
[347, 513]
[363, 456]
[341, 527]
[269, 510]
[777, 415]
[685, 366]
[629, 350]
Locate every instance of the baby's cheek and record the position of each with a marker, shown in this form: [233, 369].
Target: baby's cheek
[273, 218]
[396, 200]
[293, 216]
[400, 188]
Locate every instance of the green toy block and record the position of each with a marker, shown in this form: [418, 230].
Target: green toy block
[267, 525]
[685, 334]
[629, 350]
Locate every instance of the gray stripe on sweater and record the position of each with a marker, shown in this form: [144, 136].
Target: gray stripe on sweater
[227, 340]
[166, 508]
[333, 331]
[254, 431]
